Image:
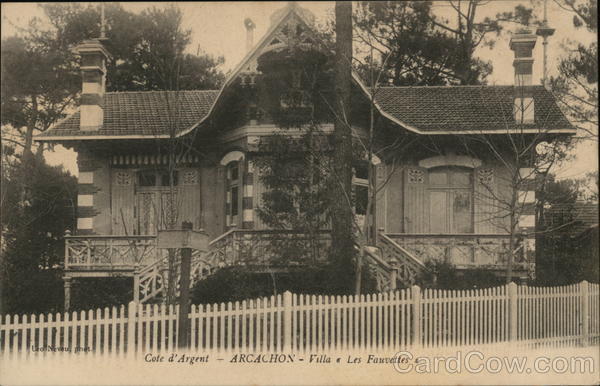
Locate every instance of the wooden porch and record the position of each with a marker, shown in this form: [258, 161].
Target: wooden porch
[396, 261]
[97, 255]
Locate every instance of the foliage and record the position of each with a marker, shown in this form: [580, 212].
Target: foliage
[417, 47]
[295, 86]
[32, 242]
[38, 85]
[91, 293]
[296, 91]
[444, 275]
[144, 47]
[562, 256]
[295, 181]
[238, 283]
[576, 85]
[40, 72]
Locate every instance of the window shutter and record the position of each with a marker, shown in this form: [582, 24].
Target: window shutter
[485, 200]
[190, 200]
[123, 202]
[416, 202]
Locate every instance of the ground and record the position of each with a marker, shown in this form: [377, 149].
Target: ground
[353, 368]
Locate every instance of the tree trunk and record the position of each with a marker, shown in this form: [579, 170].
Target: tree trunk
[342, 242]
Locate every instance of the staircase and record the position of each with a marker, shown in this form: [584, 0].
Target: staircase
[392, 265]
[151, 281]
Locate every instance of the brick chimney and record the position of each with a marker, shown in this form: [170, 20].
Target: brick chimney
[93, 71]
[522, 43]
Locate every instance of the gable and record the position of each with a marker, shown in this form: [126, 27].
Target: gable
[423, 110]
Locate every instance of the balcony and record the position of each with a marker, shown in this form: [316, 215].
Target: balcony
[109, 253]
[235, 247]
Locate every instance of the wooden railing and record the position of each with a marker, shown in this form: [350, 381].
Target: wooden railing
[408, 266]
[463, 250]
[384, 273]
[110, 252]
[236, 247]
[279, 247]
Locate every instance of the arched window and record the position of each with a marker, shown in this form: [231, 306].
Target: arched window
[233, 193]
[450, 199]
[233, 163]
[360, 182]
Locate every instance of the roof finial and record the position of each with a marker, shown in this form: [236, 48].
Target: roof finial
[249, 24]
[102, 23]
[545, 31]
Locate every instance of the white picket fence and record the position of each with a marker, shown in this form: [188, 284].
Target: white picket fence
[553, 316]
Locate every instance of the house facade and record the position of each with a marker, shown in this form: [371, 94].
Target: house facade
[442, 193]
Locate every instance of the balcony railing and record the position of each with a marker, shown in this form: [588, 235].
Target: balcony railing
[464, 250]
[279, 247]
[110, 252]
[236, 247]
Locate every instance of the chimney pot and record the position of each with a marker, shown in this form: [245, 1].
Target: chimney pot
[522, 43]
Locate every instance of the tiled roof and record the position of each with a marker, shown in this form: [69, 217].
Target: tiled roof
[581, 216]
[142, 113]
[468, 108]
[426, 109]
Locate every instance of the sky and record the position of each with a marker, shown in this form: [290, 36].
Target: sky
[218, 29]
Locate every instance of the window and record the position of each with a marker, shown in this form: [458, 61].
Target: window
[147, 179]
[450, 200]
[524, 110]
[360, 185]
[234, 195]
[233, 192]
[154, 178]
[361, 198]
[164, 179]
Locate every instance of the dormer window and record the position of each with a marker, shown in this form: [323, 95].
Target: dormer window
[524, 110]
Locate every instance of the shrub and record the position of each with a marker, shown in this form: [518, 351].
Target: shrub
[444, 275]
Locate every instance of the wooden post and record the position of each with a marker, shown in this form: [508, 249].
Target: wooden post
[393, 276]
[68, 282]
[184, 292]
[67, 241]
[359, 263]
[131, 322]
[416, 315]
[585, 312]
[287, 321]
[512, 313]
[136, 285]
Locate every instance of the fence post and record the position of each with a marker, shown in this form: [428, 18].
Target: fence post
[415, 293]
[287, 321]
[585, 312]
[131, 322]
[512, 311]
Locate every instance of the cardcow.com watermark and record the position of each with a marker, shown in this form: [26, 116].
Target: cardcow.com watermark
[475, 362]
